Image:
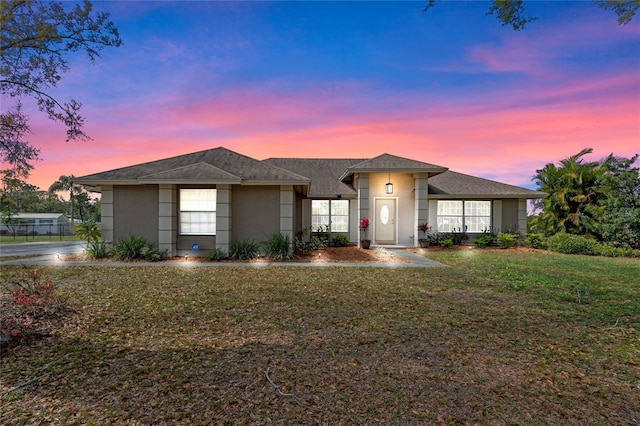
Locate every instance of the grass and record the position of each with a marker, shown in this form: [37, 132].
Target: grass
[500, 337]
[10, 239]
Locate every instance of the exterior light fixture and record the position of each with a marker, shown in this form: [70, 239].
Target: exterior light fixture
[388, 188]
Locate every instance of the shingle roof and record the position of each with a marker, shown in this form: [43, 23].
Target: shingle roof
[199, 171]
[459, 184]
[226, 161]
[392, 163]
[324, 174]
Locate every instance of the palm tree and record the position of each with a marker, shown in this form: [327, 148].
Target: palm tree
[65, 183]
[574, 194]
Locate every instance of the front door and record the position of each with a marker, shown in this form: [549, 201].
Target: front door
[385, 221]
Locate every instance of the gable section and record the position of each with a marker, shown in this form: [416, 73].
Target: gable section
[224, 163]
[200, 172]
[392, 163]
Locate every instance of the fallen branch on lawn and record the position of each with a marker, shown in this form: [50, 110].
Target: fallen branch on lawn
[23, 384]
[291, 395]
[614, 325]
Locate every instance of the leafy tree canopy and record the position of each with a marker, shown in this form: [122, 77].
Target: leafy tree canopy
[36, 36]
[512, 12]
[600, 199]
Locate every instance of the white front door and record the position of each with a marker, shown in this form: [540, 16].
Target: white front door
[385, 221]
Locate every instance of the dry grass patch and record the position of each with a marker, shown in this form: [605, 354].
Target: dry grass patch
[303, 345]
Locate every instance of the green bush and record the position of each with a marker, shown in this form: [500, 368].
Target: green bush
[535, 241]
[446, 242]
[98, 249]
[89, 231]
[506, 240]
[133, 247]
[483, 240]
[278, 247]
[573, 244]
[217, 254]
[609, 250]
[244, 250]
[340, 240]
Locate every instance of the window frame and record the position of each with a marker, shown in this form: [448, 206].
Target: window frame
[330, 215]
[209, 210]
[464, 217]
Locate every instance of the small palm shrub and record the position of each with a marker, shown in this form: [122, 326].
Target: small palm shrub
[89, 231]
[244, 250]
[217, 254]
[278, 247]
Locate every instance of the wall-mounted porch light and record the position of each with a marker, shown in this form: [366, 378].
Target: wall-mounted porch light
[388, 188]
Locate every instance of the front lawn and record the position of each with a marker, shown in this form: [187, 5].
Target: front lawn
[500, 337]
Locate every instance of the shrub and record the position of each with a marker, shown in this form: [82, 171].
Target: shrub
[98, 249]
[301, 247]
[483, 240]
[244, 250]
[446, 242]
[506, 240]
[89, 231]
[535, 241]
[320, 238]
[573, 244]
[278, 247]
[31, 301]
[35, 298]
[217, 254]
[609, 250]
[133, 247]
[459, 237]
[340, 240]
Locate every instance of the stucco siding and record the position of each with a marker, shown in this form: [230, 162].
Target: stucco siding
[135, 212]
[510, 215]
[255, 213]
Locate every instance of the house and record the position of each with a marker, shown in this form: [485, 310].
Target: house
[209, 198]
[36, 224]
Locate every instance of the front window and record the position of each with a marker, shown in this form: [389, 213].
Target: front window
[197, 211]
[469, 216]
[333, 214]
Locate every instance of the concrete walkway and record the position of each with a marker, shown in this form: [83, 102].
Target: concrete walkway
[413, 261]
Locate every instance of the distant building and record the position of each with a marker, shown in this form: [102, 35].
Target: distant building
[36, 224]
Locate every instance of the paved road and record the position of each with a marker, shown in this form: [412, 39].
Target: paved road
[44, 248]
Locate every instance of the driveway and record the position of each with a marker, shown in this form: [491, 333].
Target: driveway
[49, 248]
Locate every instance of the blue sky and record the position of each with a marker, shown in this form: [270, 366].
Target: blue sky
[353, 79]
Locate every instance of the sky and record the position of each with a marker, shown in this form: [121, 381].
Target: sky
[450, 86]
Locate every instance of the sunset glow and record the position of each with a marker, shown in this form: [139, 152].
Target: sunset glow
[354, 79]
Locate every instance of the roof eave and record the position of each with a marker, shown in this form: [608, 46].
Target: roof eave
[485, 196]
[429, 171]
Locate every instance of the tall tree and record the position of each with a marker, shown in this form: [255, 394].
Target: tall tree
[65, 183]
[512, 12]
[574, 195]
[620, 219]
[36, 37]
[596, 198]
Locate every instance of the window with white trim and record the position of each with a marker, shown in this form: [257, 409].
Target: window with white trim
[457, 215]
[330, 213]
[197, 211]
